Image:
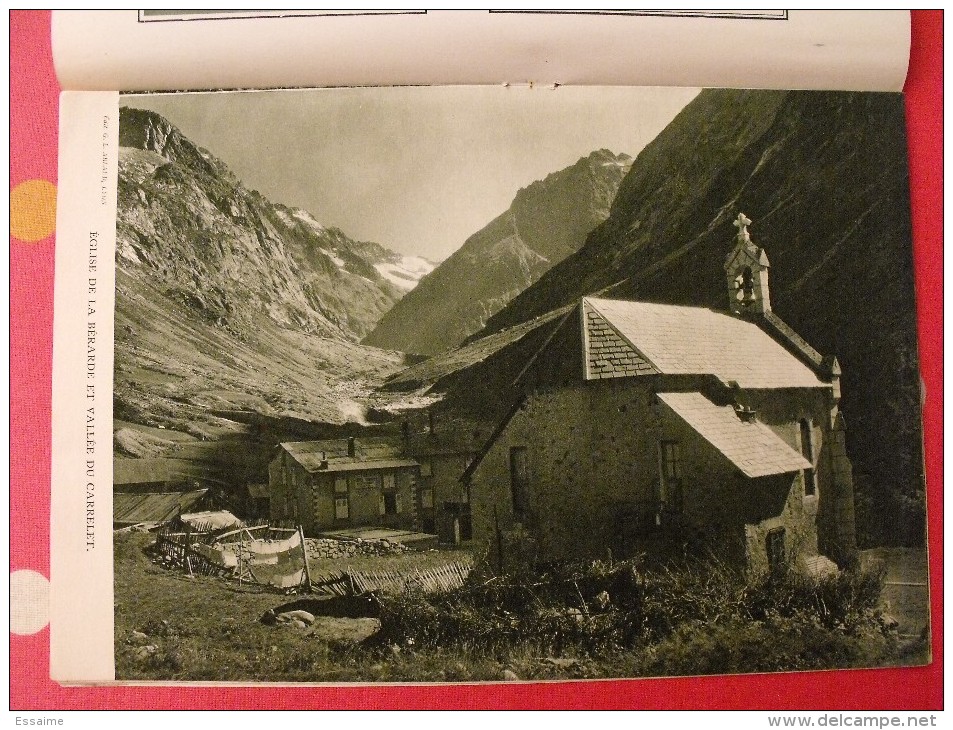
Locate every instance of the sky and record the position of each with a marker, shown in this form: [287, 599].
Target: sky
[416, 169]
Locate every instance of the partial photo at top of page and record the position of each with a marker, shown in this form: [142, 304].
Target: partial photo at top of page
[782, 49]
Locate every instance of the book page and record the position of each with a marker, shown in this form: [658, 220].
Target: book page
[451, 337]
[780, 49]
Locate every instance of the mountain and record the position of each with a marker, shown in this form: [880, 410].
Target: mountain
[190, 226]
[823, 176]
[547, 221]
[227, 303]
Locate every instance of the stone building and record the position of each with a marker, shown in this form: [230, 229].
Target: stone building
[444, 447]
[666, 430]
[343, 483]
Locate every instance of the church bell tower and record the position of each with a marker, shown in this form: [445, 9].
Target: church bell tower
[746, 273]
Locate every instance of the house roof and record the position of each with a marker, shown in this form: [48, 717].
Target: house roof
[210, 520]
[794, 341]
[340, 465]
[452, 435]
[145, 471]
[133, 508]
[750, 445]
[633, 338]
[259, 491]
[369, 453]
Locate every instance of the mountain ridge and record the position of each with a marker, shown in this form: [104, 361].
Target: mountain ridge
[188, 223]
[823, 177]
[547, 220]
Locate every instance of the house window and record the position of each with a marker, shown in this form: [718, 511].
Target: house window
[670, 484]
[426, 467]
[342, 510]
[519, 480]
[389, 500]
[426, 499]
[774, 544]
[389, 503]
[807, 451]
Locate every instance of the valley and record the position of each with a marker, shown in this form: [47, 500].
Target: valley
[241, 322]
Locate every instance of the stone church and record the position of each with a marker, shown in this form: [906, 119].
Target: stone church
[670, 431]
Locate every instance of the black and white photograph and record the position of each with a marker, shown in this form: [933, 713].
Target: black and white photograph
[515, 383]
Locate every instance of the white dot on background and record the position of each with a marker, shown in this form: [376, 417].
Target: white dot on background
[29, 602]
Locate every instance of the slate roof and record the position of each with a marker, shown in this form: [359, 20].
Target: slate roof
[608, 354]
[797, 343]
[678, 340]
[750, 445]
[369, 453]
[133, 508]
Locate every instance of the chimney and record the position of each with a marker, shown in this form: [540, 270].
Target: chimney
[743, 410]
[351, 447]
[431, 422]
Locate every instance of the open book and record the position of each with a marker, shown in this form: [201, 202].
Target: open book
[531, 346]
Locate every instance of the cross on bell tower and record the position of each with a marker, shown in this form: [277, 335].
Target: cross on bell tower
[746, 273]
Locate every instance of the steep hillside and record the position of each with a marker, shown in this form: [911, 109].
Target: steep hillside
[226, 302]
[178, 371]
[547, 221]
[191, 228]
[824, 178]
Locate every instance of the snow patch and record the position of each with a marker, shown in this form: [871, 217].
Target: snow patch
[286, 219]
[338, 261]
[353, 411]
[305, 217]
[406, 273]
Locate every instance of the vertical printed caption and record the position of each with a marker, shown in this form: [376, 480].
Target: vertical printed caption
[109, 152]
[81, 572]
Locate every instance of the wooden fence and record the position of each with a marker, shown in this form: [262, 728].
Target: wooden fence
[438, 579]
[178, 547]
[231, 553]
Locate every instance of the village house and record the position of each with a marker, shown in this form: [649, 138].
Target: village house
[155, 491]
[444, 448]
[671, 430]
[342, 483]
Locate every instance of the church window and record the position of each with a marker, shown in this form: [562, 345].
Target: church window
[807, 451]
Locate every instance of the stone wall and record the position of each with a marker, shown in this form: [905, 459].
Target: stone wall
[593, 458]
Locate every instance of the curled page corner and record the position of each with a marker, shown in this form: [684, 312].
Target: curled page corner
[175, 50]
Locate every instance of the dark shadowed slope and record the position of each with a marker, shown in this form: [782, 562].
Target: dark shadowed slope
[824, 178]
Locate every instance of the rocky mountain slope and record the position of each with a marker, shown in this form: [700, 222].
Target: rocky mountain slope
[824, 178]
[547, 221]
[226, 302]
[192, 229]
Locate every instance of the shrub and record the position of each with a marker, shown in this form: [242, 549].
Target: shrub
[842, 601]
[775, 645]
[693, 618]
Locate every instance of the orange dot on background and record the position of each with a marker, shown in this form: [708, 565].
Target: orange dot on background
[33, 210]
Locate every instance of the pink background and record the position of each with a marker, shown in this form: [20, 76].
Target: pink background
[33, 133]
